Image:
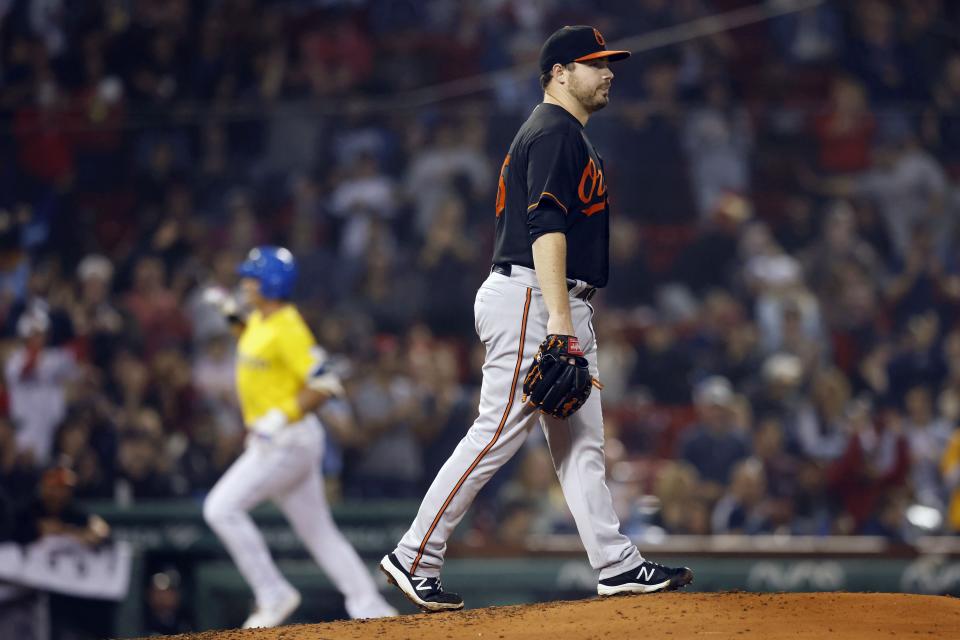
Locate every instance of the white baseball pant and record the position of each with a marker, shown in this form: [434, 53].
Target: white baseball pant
[287, 472]
[511, 320]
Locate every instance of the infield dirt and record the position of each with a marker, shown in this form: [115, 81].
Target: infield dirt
[771, 616]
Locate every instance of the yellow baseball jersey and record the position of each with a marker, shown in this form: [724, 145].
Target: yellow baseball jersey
[275, 355]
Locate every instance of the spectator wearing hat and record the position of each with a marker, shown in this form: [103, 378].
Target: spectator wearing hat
[100, 325]
[37, 375]
[714, 446]
[165, 613]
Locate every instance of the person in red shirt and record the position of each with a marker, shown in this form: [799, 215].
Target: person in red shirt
[845, 131]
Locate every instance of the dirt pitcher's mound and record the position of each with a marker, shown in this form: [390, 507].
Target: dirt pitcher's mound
[670, 615]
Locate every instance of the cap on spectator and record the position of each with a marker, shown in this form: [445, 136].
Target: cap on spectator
[783, 367]
[32, 321]
[166, 579]
[576, 44]
[776, 271]
[715, 390]
[95, 266]
[110, 89]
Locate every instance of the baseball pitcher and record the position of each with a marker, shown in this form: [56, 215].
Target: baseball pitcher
[534, 316]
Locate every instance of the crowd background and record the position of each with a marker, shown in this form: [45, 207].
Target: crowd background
[779, 343]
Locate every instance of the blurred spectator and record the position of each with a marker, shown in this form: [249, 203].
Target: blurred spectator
[921, 282]
[389, 460]
[156, 307]
[364, 195]
[662, 365]
[212, 376]
[448, 404]
[173, 393]
[908, 186]
[45, 149]
[100, 325]
[616, 356]
[845, 131]
[779, 394]
[200, 459]
[165, 613]
[445, 261]
[918, 360]
[821, 429]
[875, 460]
[683, 509]
[928, 435]
[713, 446]
[142, 463]
[875, 53]
[631, 281]
[742, 508]
[205, 318]
[53, 511]
[88, 447]
[37, 375]
[718, 139]
[15, 265]
[648, 145]
[810, 36]
[942, 121]
[454, 152]
[18, 478]
[840, 262]
[781, 472]
[534, 486]
[787, 314]
[711, 259]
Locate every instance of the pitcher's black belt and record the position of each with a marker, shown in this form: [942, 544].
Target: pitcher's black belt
[585, 293]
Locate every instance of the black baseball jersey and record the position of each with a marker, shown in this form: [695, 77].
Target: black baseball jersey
[552, 180]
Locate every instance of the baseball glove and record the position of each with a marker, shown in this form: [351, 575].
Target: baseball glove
[559, 380]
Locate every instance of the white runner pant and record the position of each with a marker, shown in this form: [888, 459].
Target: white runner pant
[287, 471]
[511, 320]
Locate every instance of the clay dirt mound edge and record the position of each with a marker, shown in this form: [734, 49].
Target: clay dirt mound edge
[771, 616]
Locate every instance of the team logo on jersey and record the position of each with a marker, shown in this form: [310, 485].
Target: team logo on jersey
[592, 187]
[599, 37]
[252, 362]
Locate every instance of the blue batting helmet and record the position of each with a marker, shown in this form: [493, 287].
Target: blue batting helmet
[274, 268]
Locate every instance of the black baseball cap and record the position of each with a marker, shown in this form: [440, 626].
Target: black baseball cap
[576, 44]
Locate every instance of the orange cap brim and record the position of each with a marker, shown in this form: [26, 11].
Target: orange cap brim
[613, 55]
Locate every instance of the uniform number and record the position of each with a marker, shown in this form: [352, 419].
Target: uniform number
[502, 186]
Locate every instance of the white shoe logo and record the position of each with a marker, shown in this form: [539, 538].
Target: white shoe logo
[645, 573]
[422, 586]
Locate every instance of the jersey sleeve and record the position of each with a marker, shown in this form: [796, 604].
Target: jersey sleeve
[552, 164]
[298, 350]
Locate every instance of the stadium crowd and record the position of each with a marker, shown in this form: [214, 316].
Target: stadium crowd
[779, 344]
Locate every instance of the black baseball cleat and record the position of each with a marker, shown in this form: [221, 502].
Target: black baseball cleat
[648, 577]
[426, 593]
